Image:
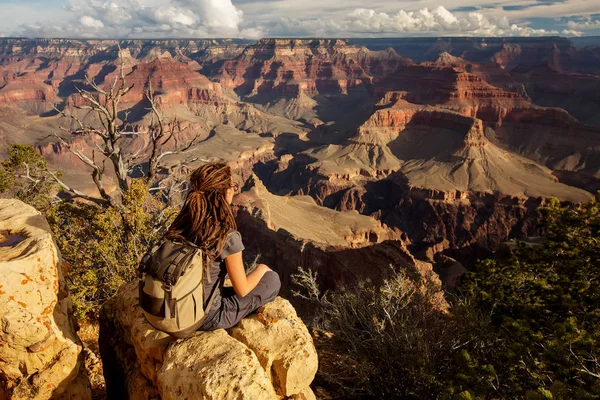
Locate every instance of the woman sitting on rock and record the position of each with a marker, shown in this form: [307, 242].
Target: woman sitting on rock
[206, 220]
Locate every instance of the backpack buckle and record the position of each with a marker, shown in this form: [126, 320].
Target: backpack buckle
[168, 282]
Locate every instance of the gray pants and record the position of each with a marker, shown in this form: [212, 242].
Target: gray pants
[234, 307]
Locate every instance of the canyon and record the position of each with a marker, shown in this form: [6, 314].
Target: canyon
[451, 145]
[359, 160]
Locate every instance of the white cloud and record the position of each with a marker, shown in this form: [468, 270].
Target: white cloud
[171, 16]
[537, 9]
[267, 11]
[438, 21]
[569, 32]
[88, 22]
[144, 18]
[217, 14]
[584, 25]
[252, 33]
[223, 18]
[13, 15]
[419, 21]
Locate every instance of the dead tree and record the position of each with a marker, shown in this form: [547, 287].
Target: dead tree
[103, 107]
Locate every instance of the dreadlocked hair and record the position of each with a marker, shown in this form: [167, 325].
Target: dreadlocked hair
[206, 217]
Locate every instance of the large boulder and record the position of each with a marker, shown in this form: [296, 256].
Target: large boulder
[268, 355]
[40, 353]
[282, 344]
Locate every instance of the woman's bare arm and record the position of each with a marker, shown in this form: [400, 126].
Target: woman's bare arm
[242, 283]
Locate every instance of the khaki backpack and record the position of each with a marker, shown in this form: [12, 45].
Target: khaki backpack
[172, 287]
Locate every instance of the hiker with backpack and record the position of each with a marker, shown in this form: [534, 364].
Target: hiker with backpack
[181, 277]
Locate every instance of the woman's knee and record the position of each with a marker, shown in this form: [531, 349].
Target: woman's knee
[272, 282]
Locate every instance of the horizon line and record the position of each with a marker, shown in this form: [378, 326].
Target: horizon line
[308, 38]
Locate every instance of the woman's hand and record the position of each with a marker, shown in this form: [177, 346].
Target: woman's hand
[263, 267]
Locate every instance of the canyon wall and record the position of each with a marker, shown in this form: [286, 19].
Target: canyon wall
[343, 248]
[469, 126]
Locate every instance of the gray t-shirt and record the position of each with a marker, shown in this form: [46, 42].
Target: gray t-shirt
[233, 244]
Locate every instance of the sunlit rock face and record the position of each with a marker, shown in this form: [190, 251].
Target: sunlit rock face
[293, 66]
[268, 355]
[41, 355]
[484, 128]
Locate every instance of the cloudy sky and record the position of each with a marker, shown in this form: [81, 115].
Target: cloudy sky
[322, 18]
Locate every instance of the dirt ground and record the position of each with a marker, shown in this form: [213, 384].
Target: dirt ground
[88, 333]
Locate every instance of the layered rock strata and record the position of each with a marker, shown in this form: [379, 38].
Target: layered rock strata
[507, 52]
[40, 353]
[431, 172]
[435, 149]
[454, 88]
[550, 87]
[174, 82]
[268, 355]
[26, 89]
[295, 66]
[549, 136]
[84, 50]
[462, 224]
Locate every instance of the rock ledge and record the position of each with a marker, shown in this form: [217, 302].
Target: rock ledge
[268, 355]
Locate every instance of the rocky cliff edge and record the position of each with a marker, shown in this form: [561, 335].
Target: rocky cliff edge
[268, 355]
[40, 353]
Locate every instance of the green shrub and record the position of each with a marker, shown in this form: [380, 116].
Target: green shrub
[545, 301]
[103, 245]
[25, 175]
[523, 327]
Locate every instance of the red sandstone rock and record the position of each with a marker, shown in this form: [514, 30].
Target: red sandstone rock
[174, 82]
[440, 135]
[26, 88]
[576, 93]
[455, 89]
[293, 66]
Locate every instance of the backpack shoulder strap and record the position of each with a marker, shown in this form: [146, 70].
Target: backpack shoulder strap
[141, 270]
[177, 267]
[216, 288]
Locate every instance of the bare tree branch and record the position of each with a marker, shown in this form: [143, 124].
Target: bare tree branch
[95, 103]
[28, 174]
[185, 148]
[103, 105]
[83, 127]
[97, 171]
[593, 359]
[77, 193]
[94, 85]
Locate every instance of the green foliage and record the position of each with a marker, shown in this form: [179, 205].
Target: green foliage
[545, 301]
[25, 175]
[103, 245]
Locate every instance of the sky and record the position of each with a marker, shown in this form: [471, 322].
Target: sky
[254, 19]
